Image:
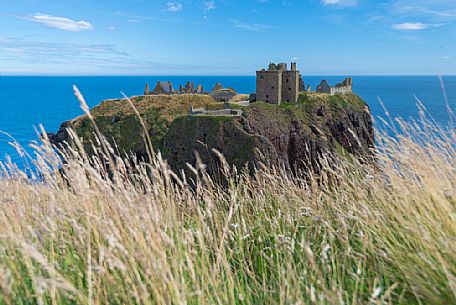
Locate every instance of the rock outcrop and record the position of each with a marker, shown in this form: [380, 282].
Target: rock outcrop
[293, 135]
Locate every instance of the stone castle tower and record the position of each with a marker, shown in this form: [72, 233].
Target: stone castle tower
[278, 84]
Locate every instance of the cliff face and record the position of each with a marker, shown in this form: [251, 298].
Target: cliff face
[199, 135]
[292, 135]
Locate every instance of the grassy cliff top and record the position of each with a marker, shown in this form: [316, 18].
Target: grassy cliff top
[338, 100]
[170, 106]
[167, 105]
[308, 106]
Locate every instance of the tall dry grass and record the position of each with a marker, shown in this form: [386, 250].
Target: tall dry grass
[141, 234]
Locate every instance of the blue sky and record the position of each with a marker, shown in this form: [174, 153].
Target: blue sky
[227, 37]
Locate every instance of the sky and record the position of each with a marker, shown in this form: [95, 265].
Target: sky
[227, 37]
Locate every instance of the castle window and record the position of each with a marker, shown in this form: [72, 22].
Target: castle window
[262, 76]
[267, 95]
[288, 80]
[272, 87]
[289, 89]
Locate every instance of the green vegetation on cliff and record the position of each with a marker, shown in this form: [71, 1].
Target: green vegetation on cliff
[292, 133]
[118, 122]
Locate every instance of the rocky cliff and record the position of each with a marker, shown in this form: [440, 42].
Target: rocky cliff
[292, 135]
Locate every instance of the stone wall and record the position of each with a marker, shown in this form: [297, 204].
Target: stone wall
[290, 86]
[269, 86]
[341, 90]
[220, 112]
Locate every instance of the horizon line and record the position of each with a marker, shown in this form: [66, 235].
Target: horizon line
[210, 75]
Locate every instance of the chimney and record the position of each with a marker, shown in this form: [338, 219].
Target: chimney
[293, 66]
[282, 67]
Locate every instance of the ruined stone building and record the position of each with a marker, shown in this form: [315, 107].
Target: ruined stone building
[278, 84]
[167, 88]
[189, 88]
[147, 90]
[342, 88]
[302, 85]
[163, 88]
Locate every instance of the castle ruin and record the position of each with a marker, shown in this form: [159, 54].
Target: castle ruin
[278, 84]
[168, 89]
[161, 88]
[342, 88]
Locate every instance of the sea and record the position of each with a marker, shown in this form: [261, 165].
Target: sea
[26, 101]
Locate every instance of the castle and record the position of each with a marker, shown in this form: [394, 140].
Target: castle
[342, 88]
[277, 84]
[274, 85]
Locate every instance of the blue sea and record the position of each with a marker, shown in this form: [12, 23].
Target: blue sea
[26, 102]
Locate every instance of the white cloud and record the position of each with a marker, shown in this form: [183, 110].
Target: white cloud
[209, 5]
[254, 27]
[439, 9]
[174, 7]
[340, 2]
[414, 26]
[61, 23]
